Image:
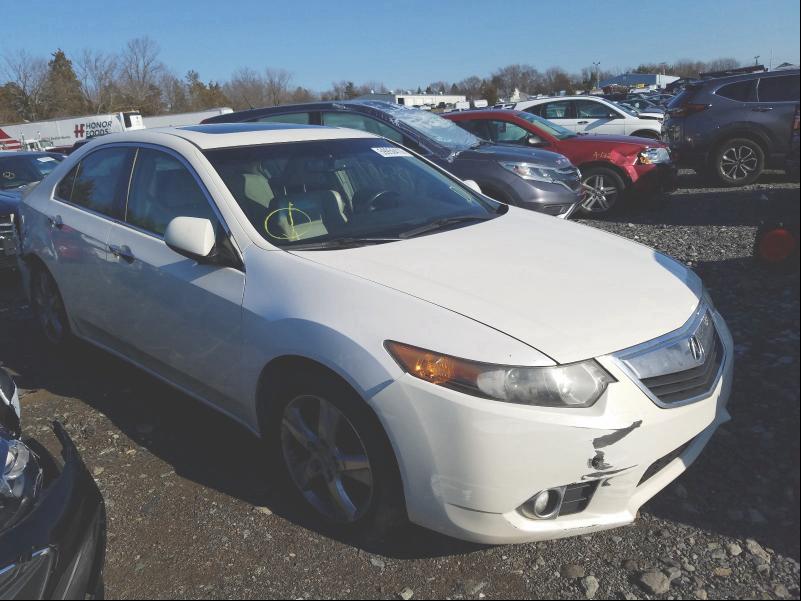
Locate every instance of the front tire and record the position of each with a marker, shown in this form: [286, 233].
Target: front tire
[737, 162]
[604, 191]
[48, 308]
[332, 456]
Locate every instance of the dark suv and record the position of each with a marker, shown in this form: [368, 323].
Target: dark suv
[526, 177]
[731, 128]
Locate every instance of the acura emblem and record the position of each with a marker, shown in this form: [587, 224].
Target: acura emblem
[697, 349]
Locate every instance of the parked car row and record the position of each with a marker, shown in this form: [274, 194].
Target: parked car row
[405, 345]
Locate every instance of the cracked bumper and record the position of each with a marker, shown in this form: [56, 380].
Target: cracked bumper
[468, 463]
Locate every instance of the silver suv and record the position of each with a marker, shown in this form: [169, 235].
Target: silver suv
[732, 128]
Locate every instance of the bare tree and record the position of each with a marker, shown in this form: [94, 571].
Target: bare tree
[28, 76]
[246, 89]
[276, 85]
[97, 73]
[140, 69]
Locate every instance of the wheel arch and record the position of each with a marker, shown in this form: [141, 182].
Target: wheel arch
[279, 369]
[646, 133]
[611, 166]
[746, 132]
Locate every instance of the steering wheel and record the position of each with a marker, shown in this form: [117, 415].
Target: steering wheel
[379, 201]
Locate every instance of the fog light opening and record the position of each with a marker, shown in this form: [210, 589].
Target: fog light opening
[545, 505]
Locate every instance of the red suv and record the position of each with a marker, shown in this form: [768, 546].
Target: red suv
[612, 167]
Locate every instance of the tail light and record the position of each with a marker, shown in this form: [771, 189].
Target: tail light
[688, 109]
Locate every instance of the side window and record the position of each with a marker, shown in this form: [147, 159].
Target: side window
[557, 110]
[64, 188]
[740, 91]
[162, 188]
[588, 109]
[779, 89]
[477, 128]
[508, 133]
[99, 179]
[363, 123]
[295, 118]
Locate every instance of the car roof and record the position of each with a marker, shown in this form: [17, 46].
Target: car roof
[227, 135]
[716, 81]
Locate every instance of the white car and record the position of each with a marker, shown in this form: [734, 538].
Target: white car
[593, 115]
[405, 345]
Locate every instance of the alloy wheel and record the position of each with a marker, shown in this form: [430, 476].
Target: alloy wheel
[739, 162]
[49, 308]
[602, 194]
[326, 458]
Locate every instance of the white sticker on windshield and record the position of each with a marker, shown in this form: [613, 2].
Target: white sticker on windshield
[391, 151]
[45, 159]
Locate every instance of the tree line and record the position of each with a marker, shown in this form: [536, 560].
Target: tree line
[95, 82]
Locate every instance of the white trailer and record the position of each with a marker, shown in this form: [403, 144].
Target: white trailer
[61, 134]
[178, 119]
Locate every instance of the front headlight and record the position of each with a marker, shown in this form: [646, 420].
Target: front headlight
[529, 171]
[651, 156]
[573, 385]
[20, 480]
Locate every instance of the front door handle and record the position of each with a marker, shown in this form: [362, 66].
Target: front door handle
[122, 252]
[583, 122]
[55, 222]
[762, 109]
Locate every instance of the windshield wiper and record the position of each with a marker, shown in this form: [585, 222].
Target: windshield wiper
[441, 224]
[338, 243]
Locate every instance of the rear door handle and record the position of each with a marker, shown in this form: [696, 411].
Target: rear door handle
[583, 122]
[762, 109]
[122, 252]
[55, 222]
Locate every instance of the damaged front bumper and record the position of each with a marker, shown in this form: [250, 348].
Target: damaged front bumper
[469, 465]
[58, 550]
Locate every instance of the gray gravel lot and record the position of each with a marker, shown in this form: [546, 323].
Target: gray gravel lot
[190, 516]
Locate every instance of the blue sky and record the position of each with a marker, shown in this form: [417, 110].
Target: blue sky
[408, 42]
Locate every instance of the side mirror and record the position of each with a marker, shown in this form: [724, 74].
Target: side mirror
[473, 185]
[191, 236]
[535, 140]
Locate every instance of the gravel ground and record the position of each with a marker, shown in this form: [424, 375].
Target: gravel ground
[190, 516]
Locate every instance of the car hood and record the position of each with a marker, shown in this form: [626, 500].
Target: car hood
[510, 152]
[568, 290]
[9, 201]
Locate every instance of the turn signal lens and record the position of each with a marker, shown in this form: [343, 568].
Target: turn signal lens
[573, 385]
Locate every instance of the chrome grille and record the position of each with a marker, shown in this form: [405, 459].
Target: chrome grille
[681, 367]
[569, 176]
[8, 236]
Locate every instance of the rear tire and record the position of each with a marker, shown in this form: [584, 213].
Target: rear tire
[737, 162]
[604, 191]
[331, 455]
[49, 310]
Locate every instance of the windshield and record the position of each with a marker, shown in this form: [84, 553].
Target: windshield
[443, 132]
[19, 170]
[313, 194]
[629, 110]
[557, 131]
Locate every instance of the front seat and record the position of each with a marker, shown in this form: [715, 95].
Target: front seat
[306, 215]
[252, 191]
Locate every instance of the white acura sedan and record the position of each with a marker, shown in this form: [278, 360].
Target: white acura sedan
[404, 345]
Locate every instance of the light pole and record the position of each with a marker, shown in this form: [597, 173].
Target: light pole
[756, 59]
[597, 66]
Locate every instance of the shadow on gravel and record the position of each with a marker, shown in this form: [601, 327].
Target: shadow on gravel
[690, 179]
[732, 207]
[199, 443]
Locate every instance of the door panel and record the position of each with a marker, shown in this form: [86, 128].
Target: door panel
[178, 317]
[87, 200]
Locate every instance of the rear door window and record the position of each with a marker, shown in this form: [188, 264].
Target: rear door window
[162, 188]
[779, 89]
[98, 181]
[363, 123]
[740, 91]
[557, 110]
